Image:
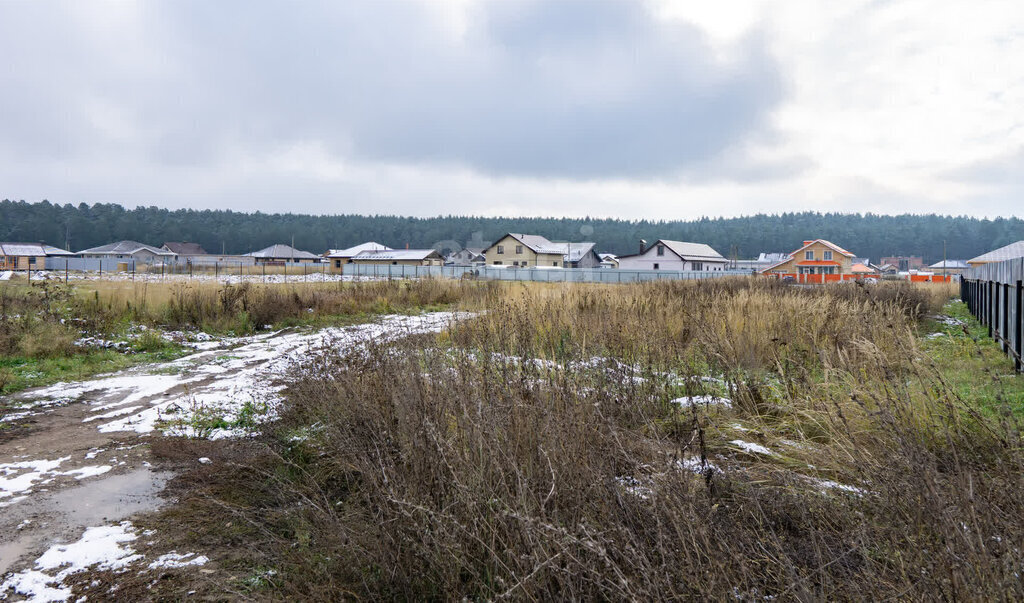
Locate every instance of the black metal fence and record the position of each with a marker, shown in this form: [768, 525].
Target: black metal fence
[994, 293]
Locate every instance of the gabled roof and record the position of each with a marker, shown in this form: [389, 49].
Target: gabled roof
[125, 248]
[772, 257]
[692, 251]
[30, 249]
[958, 264]
[283, 252]
[1009, 252]
[354, 251]
[396, 254]
[536, 243]
[805, 246]
[860, 268]
[608, 256]
[577, 251]
[185, 248]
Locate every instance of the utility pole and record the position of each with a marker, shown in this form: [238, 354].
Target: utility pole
[943, 259]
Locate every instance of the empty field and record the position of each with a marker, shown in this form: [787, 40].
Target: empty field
[737, 439]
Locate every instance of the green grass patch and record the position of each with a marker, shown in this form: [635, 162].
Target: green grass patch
[972, 364]
[18, 373]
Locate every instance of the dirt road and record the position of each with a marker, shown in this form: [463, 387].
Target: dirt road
[77, 465]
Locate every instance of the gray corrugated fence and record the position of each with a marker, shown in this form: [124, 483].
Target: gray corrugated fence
[574, 275]
[994, 293]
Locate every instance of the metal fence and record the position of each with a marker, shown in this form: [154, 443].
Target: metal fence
[556, 275]
[994, 293]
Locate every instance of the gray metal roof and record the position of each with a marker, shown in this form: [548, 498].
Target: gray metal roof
[125, 248]
[1009, 252]
[356, 250]
[577, 251]
[283, 252]
[697, 251]
[30, 249]
[396, 254]
[950, 264]
[538, 243]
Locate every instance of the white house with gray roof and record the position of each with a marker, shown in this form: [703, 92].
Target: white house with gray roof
[674, 255]
[129, 250]
[283, 254]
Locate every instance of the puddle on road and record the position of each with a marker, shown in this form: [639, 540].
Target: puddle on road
[95, 502]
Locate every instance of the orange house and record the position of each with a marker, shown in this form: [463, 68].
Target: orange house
[816, 261]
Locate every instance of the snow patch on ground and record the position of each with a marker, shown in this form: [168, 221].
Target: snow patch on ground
[750, 447]
[688, 401]
[99, 548]
[228, 386]
[173, 560]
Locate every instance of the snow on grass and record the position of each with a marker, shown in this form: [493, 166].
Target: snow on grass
[688, 401]
[227, 394]
[174, 560]
[99, 548]
[750, 447]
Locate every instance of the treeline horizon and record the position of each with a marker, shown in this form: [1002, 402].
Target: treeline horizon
[82, 226]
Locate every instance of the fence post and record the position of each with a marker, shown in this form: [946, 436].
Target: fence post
[1019, 313]
[65, 271]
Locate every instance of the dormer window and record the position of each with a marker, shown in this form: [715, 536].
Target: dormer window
[828, 255]
[809, 255]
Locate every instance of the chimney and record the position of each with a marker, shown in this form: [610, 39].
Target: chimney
[806, 243]
[407, 244]
[643, 244]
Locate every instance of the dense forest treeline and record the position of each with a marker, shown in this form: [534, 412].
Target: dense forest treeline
[78, 227]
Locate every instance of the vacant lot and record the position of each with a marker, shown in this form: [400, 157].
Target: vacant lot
[732, 439]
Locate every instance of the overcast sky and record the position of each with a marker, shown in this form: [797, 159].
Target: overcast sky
[659, 109]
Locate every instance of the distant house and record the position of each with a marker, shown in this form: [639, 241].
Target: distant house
[815, 257]
[1009, 252]
[674, 255]
[184, 249]
[534, 251]
[950, 267]
[862, 268]
[399, 257]
[609, 260]
[28, 256]
[762, 261]
[339, 257]
[581, 255]
[281, 254]
[904, 263]
[469, 256]
[129, 250]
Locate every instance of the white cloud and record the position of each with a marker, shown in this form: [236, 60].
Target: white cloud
[667, 109]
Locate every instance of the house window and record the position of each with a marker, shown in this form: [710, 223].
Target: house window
[554, 263]
[337, 263]
[497, 262]
[519, 250]
[394, 263]
[661, 250]
[809, 255]
[501, 250]
[31, 260]
[827, 255]
[656, 266]
[697, 266]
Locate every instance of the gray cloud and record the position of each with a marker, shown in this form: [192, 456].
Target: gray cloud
[573, 89]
